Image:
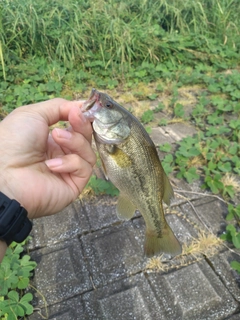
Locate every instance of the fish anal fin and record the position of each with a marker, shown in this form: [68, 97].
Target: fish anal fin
[167, 243]
[168, 190]
[125, 208]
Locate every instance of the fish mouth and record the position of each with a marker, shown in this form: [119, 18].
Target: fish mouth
[92, 105]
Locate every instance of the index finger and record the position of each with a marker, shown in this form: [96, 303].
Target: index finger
[52, 111]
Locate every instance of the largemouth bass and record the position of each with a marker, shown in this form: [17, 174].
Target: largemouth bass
[131, 162]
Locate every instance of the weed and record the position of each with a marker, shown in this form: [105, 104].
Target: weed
[100, 186]
[159, 108]
[15, 273]
[96, 35]
[165, 147]
[147, 116]
[163, 122]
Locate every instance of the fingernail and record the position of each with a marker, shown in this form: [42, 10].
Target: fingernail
[52, 163]
[63, 134]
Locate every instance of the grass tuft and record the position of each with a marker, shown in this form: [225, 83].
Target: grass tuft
[231, 180]
[206, 244]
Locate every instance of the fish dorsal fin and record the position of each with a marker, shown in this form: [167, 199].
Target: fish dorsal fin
[168, 190]
[125, 208]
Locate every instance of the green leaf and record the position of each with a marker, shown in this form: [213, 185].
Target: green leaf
[167, 167]
[28, 308]
[163, 122]
[23, 283]
[18, 249]
[234, 124]
[235, 265]
[191, 175]
[211, 165]
[214, 183]
[166, 147]
[152, 96]
[27, 297]
[236, 240]
[233, 149]
[147, 116]
[168, 158]
[179, 110]
[231, 229]
[233, 212]
[100, 186]
[229, 190]
[13, 295]
[224, 167]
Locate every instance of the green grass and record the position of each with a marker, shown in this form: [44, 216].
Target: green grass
[115, 34]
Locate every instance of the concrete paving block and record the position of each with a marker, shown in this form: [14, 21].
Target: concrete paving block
[100, 212]
[127, 299]
[181, 188]
[210, 210]
[159, 136]
[194, 292]
[71, 309]
[234, 317]
[61, 272]
[113, 253]
[229, 277]
[66, 224]
[178, 131]
[183, 230]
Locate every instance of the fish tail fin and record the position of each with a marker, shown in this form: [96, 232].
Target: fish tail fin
[167, 243]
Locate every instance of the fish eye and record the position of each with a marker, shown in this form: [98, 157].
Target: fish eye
[108, 104]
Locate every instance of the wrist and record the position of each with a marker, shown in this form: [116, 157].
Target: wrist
[14, 224]
[9, 188]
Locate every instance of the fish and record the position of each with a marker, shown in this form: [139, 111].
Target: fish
[130, 160]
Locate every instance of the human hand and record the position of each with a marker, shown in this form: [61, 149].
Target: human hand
[45, 172]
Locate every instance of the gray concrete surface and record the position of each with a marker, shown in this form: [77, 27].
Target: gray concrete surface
[91, 265]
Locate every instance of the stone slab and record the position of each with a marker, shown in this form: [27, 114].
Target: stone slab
[194, 292]
[61, 272]
[234, 317]
[178, 131]
[229, 277]
[184, 192]
[100, 212]
[71, 309]
[211, 211]
[159, 136]
[113, 253]
[127, 299]
[64, 225]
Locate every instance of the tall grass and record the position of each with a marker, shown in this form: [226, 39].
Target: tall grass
[115, 32]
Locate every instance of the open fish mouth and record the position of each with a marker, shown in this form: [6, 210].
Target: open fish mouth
[92, 105]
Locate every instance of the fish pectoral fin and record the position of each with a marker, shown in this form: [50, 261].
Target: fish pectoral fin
[167, 243]
[168, 190]
[104, 170]
[125, 208]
